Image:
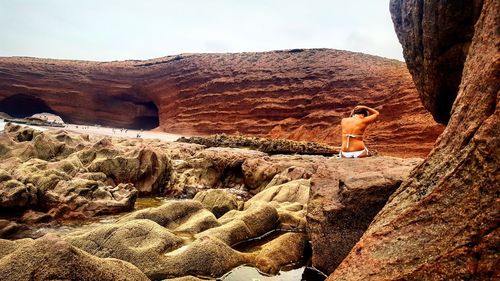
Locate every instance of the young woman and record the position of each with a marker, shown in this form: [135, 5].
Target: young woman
[353, 129]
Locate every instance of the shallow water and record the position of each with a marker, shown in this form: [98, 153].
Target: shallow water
[150, 202]
[299, 271]
[255, 244]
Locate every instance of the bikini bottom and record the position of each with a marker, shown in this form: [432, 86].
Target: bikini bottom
[352, 154]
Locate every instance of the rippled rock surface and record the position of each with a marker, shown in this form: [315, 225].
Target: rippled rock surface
[52, 258]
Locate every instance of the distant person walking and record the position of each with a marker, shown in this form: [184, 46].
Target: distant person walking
[353, 128]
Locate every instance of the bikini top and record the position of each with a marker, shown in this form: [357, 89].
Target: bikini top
[351, 136]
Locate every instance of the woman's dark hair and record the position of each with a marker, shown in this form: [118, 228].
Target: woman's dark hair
[361, 111]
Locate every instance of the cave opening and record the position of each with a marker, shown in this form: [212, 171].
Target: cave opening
[149, 120]
[23, 105]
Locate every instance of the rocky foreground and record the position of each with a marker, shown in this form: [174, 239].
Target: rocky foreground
[236, 195]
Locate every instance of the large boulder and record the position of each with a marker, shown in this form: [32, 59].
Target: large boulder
[436, 36]
[147, 168]
[442, 223]
[211, 168]
[267, 171]
[345, 196]
[289, 199]
[87, 198]
[295, 191]
[52, 258]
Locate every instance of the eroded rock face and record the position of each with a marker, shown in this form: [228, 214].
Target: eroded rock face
[65, 174]
[85, 175]
[210, 168]
[287, 247]
[175, 240]
[272, 170]
[141, 242]
[436, 36]
[442, 223]
[299, 94]
[345, 196]
[52, 258]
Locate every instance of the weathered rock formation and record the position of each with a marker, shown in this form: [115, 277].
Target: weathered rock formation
[217, 201]
[66, 174]
[345, 197]
[52, 258]
[181, 238]
[442, 223]
[436, 37]
[296, 94]
[258, 197]
[270, 146]
[184, 237]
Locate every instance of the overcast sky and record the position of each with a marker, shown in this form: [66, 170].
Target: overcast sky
[106, 30]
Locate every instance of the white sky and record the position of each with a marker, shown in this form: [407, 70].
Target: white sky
[107, 30]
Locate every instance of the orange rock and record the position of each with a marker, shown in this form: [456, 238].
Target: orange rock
[299, 94]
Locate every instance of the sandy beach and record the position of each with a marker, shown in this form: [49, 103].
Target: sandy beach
[107, 131]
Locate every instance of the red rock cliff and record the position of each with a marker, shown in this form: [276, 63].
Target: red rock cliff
[297, 94]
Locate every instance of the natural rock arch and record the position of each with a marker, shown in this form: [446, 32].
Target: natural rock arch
[24, 105]
[147, 122]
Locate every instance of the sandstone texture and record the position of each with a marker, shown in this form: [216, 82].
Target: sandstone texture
[217, 201]
[52, 258]
[181, 238]
[65, 174]
[345, 197]
[442, 223]
[436, 36]
[249, 207]
[295, 94]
